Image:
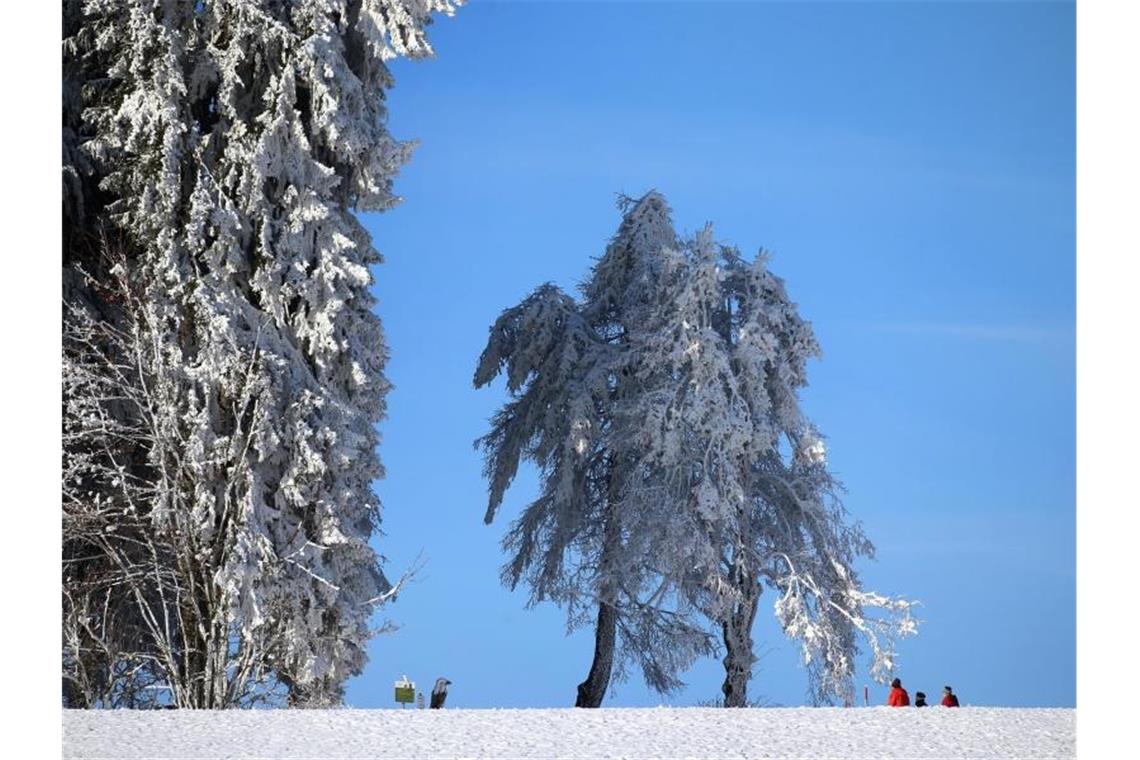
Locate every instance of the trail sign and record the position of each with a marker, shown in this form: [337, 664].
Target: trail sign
[405, 691]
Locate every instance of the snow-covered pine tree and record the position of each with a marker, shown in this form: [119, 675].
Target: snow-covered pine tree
[228, 145]
[580, 544]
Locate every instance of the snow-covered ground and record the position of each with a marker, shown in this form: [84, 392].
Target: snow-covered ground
[665, 732]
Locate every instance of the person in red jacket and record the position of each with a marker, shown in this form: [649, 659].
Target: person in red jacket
[898, 696]
[948, 698]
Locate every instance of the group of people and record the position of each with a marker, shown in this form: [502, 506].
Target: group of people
[899, 698]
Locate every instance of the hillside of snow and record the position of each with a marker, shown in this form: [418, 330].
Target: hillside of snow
[665, 732]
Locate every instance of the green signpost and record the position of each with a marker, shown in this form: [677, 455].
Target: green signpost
[405, 692]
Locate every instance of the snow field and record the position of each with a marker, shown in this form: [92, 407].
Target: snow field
[663, 732]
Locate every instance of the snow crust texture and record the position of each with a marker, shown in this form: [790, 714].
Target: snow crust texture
[664, 732]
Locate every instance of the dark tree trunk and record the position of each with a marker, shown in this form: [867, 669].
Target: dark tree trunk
[738, 657]
[593, 689]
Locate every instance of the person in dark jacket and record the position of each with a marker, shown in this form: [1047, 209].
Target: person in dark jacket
[439, 693]
[898, 696]
[948, 697]
[919, 699]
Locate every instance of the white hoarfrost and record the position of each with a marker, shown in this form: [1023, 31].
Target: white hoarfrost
[679, 475]
[226, 146]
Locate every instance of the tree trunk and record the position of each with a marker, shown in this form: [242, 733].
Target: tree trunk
[593, 689]
[738, 657]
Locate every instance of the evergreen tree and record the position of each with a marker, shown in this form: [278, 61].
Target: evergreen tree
[226, 146]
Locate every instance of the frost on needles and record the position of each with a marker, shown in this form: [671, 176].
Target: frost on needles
[679, 477]
[223, 364]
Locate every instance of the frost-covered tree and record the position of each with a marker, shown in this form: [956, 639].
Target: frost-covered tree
[718, 423]
[720, 371]
[228, 144]
[579, 544]
[153, 584]
[675, 385]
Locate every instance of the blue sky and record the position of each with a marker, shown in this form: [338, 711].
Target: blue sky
[911, 168]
